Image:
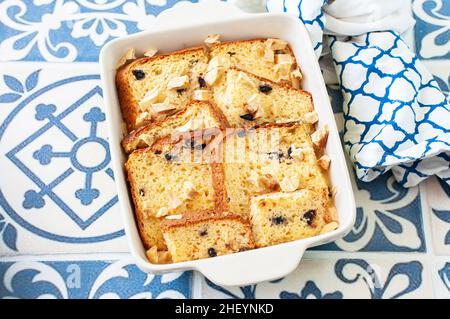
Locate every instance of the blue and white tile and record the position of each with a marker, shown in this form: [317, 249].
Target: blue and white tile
[438, 199]
[57, 191]
[66, 31]
[441, 278]
[441, 72]
[431, 29]
[325, 276]
[93, 279]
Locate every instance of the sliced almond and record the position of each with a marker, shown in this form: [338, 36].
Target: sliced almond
[269, 55]
[276, 44]
[324, 162]
[311, 117]
[150, 52]
[174, 217]
[163, 211]
[152, 254]
[253, 103]
[283, 70]
[284, 58]
[202, 95]
[212, 39]
[244, 79]
[129, 55]
[162, 108]
[297, 74]
[143, 118]
[214, 71]
[296, 153]
[320, 137]
[290, 183]
[329, 227]
[150, 97]
[178, 82]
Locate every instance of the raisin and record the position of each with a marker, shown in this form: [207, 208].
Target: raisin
[276, 155]
[265, 88]
[241, 133]
[308, 217]
[254, 127]
[278, 220]
[289, 152]
[330, 192]
[228, 199]
[247, 117]
[141, 192]
[138, 74]
[231, 53]
[201, 82]
[203, 232]
[169, 157]
[157, 152]
[279, 52]
[212, 252]
[180, 91]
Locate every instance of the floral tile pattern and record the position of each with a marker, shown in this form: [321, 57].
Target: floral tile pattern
[95, 279]
[432, 27]
[441, 278]
[330, 278]
[54, 124]
[66, 31]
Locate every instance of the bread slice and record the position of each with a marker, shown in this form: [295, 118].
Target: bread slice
[136, 79]
[197, 115]
[249, 55]
[248, 100]
[268, 159]
[281, 217]
[150, 231]
[206, 234]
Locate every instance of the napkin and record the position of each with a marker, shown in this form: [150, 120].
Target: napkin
[395, 116]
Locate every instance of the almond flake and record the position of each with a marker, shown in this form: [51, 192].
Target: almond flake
[284, 58]
[276, 44]
[283, 70]
[143, 119]
[212, 39]
[174, 217]
[253, 103]
[178, 82]
[150, 52]
[150, 97]
[163, 211]
[311, 117]
[152, 254]
[324, 162]
[162, 108]
[296, 153]
[297, 74]
[319, 137]
[129, 55]
[269, 55]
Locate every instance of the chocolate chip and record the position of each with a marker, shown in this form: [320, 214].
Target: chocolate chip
[247, 117]
[278, 220]
[180, 91]
[212, 252]
[289, 152]
[201, 82]
[265, 88]
[203, 232]
[169, 156]
[308, 217]
[231, 53]
[241, 133]
[157, 152]
[138, 74]
[141, 192]
[279, 52]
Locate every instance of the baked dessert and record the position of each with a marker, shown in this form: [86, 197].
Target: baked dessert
[206, 234]
[223, 150]
[197, 115]
[281, 217]
[150, 88]
[270, 158]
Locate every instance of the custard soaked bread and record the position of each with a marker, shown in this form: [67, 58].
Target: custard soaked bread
[150, 88]
[248, 100]
[271, 158]
[282, 217]
[197, 115]
[206, 234]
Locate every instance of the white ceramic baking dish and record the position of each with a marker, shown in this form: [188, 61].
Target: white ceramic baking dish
[187, 25]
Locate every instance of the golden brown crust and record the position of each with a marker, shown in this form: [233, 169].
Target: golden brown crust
[128, 103]
[131, 141]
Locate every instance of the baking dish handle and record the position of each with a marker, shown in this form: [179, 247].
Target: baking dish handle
[253, 266]
[188, 13]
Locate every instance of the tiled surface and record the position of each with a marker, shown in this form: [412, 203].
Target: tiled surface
[398, 248]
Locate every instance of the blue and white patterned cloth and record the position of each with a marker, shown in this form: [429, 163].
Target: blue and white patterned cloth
[396, 117]
[61, 230]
